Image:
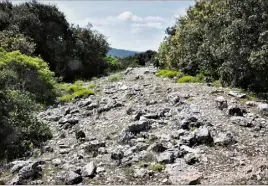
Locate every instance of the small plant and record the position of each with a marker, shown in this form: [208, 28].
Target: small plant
[91, 85]
[190, 99]
[72, 91]
[157, 167]
[188, 79]
[216, 83]
[115, 78]
[193, 129]
[83, 93]
[167, 73]
[200, 78]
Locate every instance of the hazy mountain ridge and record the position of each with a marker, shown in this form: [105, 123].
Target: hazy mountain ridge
[121, 52]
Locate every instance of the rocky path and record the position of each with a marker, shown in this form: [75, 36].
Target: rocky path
[143, 129]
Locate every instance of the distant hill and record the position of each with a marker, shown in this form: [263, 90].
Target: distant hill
[121, 53]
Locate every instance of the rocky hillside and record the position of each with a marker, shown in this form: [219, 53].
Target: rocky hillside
[143, 129]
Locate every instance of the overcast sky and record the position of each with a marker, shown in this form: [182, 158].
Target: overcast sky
[133, 25]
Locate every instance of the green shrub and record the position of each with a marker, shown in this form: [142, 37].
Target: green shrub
[167, 73]
[115, 78]
[187, 79]
[66, 98]
[156, 167]
[20, 131]
[91, 86]
[216, 83]
[201, 78]
[83, 93]
[25, 84]
[73, 88]
[32, 75]
[69, 92]
[113, 63]
[10, 41]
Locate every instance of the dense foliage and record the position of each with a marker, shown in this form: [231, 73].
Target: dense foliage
[37, 43]
[224, 39]
[71, 52]
[25, 82]
[113, 63]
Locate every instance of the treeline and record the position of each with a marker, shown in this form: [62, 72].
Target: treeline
[223, 39]
[140, 59]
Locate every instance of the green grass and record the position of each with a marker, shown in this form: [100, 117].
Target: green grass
[188, 79]
[115, 78]
[156, 167]
[216, 83]
[91, 85]
[190, 99]
[69, 92]
[167, 73]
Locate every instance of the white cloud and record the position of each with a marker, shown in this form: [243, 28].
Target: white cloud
[156, 25]
[129, 16]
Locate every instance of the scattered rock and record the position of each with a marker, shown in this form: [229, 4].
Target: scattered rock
[80, 134]
[242, 121]
[125, 137]
[85, 102]
[94, 145]
[221, 102]
[30, 170]
[203, 136]
[174, 98]
[117, 155]
[186, 177]
[166, 157]
[158, 147]
[89, 170]
[252, 103]
[263, 108]
[139, 126]
[188, 149]
[191, 158]
[237, 94]
[224, 139]
[71, 178]
[235, 110]
[56, 162]
[17, 165]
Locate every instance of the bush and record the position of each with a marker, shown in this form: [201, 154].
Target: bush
[20, 131]
[115, 78]
[32, 75]
[113, 63]
[187, 79]
[225, 39]
[216, 83]
[157, 167]
[69, 92]
[10, 41]
[168, 73]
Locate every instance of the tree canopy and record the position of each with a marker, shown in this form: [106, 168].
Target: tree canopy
[224, 39]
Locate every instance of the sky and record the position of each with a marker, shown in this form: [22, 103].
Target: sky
[131, 25]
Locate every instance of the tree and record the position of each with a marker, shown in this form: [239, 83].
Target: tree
[223, 39]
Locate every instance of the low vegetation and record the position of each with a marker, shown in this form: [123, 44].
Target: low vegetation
[78, 89]
[26, 85]
[187, 79]
[156, 167]
[115, 78]
[168, 73]
[225, 40]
